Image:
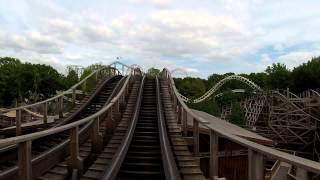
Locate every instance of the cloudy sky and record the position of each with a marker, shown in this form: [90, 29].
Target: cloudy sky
[202, 37]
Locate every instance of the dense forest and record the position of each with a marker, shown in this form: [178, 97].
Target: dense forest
[26, 82]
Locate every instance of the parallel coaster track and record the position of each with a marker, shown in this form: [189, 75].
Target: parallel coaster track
[25, 160]
[58, 106]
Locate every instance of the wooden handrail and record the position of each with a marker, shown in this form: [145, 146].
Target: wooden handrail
[303, 163]
[169, 164]
[36, 135]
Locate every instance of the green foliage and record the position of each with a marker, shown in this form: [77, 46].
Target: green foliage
[72, 77]
[237, 115]
[191, 87]
[306, 76]
[211, 106]
[153, 72]
[278, 76]
[27, 82]
[90, 69]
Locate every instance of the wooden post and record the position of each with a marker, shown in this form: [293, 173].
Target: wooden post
[255, 165]
[109, 125]
[74, 164]
[73, 97]
[195, 137]
[45, 113]
[84, 86]
[185, 123]
[18, 122]
[96, 137]
[214, 159]
[61, 107]
[175, 105]
[24, 161]
[117, 112]
[179, 114]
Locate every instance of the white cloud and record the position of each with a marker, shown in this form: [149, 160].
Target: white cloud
[293, 59]
[31, 41]
[164, 32]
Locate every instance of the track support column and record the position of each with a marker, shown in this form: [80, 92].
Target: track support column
[75, 163]
[60, 109]
[73, 97]
[255, 165]
[18, 122]
[24, 160]
[214, 159]
[185, 123]
[179, 113]
[109, 125]
[96, 137]
[45, 113]
[195, 137]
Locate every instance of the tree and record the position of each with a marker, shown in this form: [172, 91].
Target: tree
[153, 72]
[278, 76]
[306, 76]
[72, 77]
[237, 115]
[26, 82]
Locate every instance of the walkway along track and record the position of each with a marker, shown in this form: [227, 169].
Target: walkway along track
[48, 151]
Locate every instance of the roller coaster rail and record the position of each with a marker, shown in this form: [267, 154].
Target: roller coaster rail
[24, 142]
[58, 105]
[217, 86]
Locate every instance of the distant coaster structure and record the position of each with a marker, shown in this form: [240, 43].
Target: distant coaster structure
[292, 121]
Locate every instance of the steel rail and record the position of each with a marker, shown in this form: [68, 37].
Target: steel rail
[303, 163]
[170, 167]
[111, 172]
[217, 86]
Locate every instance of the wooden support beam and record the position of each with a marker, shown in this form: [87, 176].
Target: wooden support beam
[185, 123]
[195, 137]
[73, 97]
[179, 114]
[96, 137]
[45, 113]
[175, 105]
[214, 155]
[18, 122]
[84, 86]
[75, 163]
[255, 165]
[24, 160]
[60, 109]
[109, 125]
